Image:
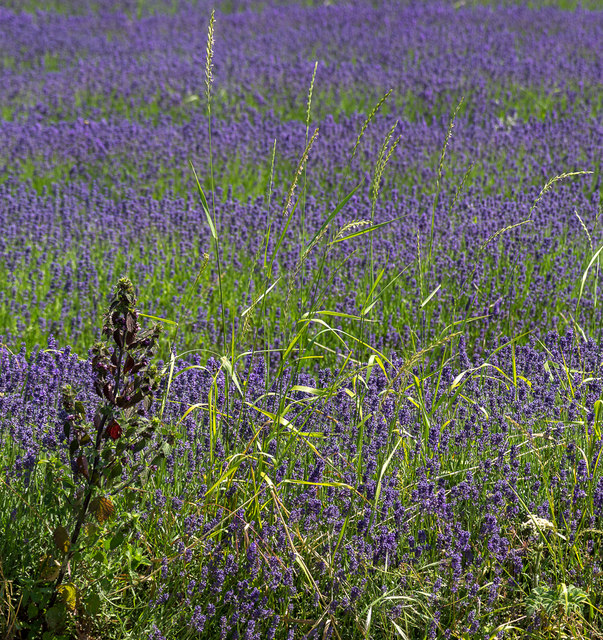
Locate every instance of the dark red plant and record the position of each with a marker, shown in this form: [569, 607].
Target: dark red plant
[126, 381]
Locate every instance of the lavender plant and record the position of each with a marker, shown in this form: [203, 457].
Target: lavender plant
[453, 500]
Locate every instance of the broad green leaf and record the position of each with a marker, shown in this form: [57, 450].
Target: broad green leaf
[93, 603]
[139, 446]
[90, 529]
[116, 540]
[55, 618]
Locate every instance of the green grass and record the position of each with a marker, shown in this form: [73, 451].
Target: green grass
[521, 101]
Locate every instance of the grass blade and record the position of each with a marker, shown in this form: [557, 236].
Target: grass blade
[585, 274]
[204, 204]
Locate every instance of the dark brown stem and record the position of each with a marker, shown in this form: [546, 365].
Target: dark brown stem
[84, 510]
[80, 521]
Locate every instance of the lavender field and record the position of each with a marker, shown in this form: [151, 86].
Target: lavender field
[300, 320]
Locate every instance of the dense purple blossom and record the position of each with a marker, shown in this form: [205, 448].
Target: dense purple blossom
[441, 502]
[74, 173]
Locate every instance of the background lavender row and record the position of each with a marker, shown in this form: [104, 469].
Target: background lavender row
[429, 53]
[509, 153]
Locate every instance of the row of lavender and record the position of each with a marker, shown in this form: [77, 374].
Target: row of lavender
[55, 268]
[444, 494]
[62, 229]
[61, 252]
[456, 494]
[99, 126]
[56, 66]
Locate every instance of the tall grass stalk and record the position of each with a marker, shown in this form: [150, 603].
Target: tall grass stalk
[209, 53]
[303, 195]
[439, 181]
[362, 131]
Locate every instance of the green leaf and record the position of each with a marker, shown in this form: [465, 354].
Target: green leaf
[116, 540]
[55, 617]
[156, 461]
[90, 529]
[139, 446]
[67, 483]
[93, 603]
[116, 471]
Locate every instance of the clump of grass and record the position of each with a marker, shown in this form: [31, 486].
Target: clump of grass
[230, 514]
